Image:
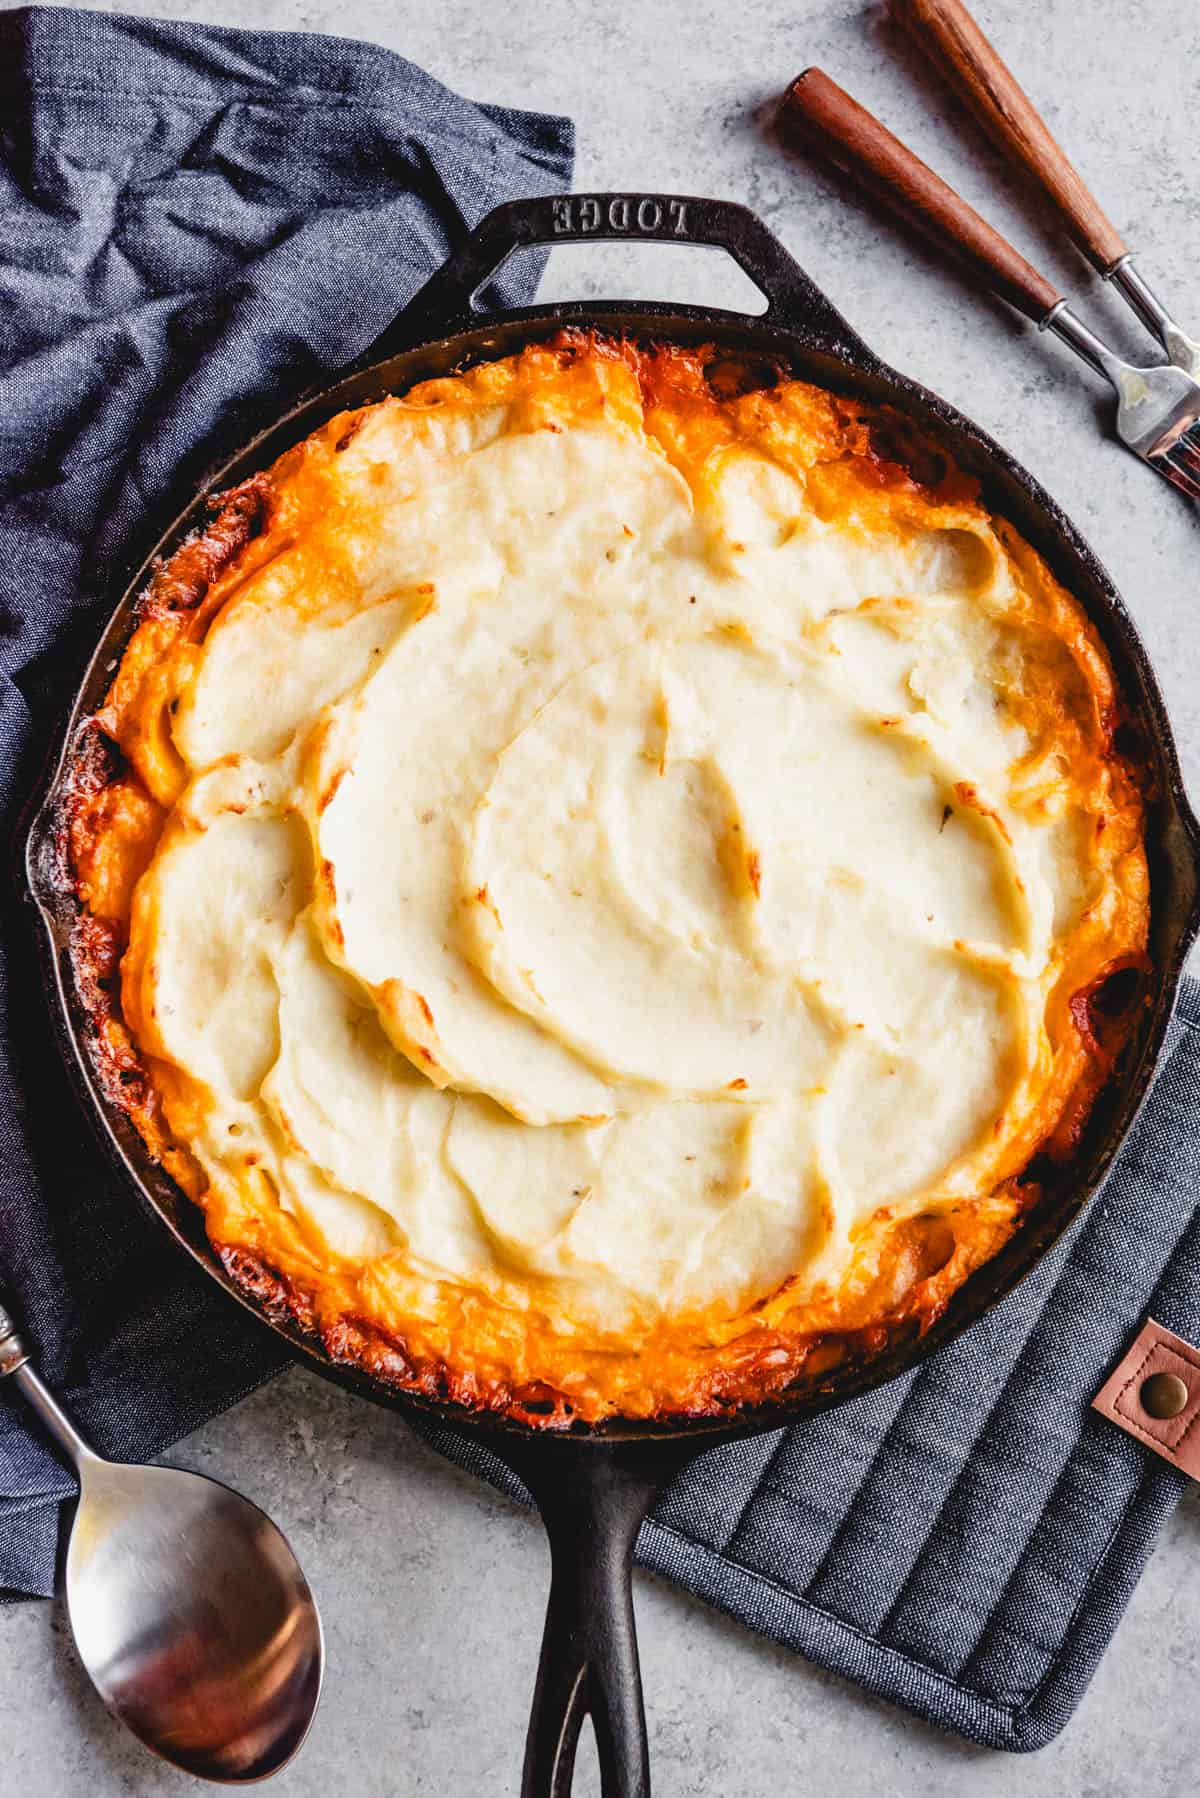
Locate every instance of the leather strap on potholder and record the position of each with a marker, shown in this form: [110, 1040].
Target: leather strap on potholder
[1154, 1394]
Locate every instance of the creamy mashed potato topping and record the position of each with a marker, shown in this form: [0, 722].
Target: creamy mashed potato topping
[615, 871]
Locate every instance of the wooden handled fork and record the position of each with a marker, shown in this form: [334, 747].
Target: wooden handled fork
[949, 35]
[1158, 408]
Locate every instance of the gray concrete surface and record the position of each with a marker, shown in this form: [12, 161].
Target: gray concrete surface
[431, 1587]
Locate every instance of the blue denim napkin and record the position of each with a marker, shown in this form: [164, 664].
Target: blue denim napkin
[192, 217]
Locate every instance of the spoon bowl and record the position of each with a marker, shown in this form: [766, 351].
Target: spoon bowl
[190, 1611]
[193, 1619]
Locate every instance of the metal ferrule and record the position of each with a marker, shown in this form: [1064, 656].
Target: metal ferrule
[1136, 290]
[1071, 330]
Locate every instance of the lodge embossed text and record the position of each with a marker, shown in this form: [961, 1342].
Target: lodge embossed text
[584, 214]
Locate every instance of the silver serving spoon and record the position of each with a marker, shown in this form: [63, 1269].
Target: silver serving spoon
[189, 1610]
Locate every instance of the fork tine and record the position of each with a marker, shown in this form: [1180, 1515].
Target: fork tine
[1179, 478]
[1177, 471]
[1188, 450]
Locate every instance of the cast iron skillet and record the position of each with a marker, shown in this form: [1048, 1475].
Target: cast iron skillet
[593, 1486]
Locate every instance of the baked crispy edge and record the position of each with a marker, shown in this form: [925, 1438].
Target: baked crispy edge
[772, 1365]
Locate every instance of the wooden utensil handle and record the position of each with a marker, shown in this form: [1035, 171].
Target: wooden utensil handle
[948, 33]
[824, 117]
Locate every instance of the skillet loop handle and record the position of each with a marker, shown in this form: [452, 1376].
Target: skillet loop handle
[449, 302]
[592, 1505]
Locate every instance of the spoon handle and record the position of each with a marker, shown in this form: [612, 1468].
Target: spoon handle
[13, 1353]
[14, 1360]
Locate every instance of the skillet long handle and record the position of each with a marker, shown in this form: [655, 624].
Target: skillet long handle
[948, 34]
[822, 116]
[592, 1504]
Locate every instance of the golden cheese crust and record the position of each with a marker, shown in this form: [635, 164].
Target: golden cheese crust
[770, 488]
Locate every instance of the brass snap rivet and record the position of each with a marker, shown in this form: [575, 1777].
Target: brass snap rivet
[1163, 1395]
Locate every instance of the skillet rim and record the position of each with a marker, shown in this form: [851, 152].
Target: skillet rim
[822, 347]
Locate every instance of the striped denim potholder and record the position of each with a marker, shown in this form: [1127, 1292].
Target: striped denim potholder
[965, 1539]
